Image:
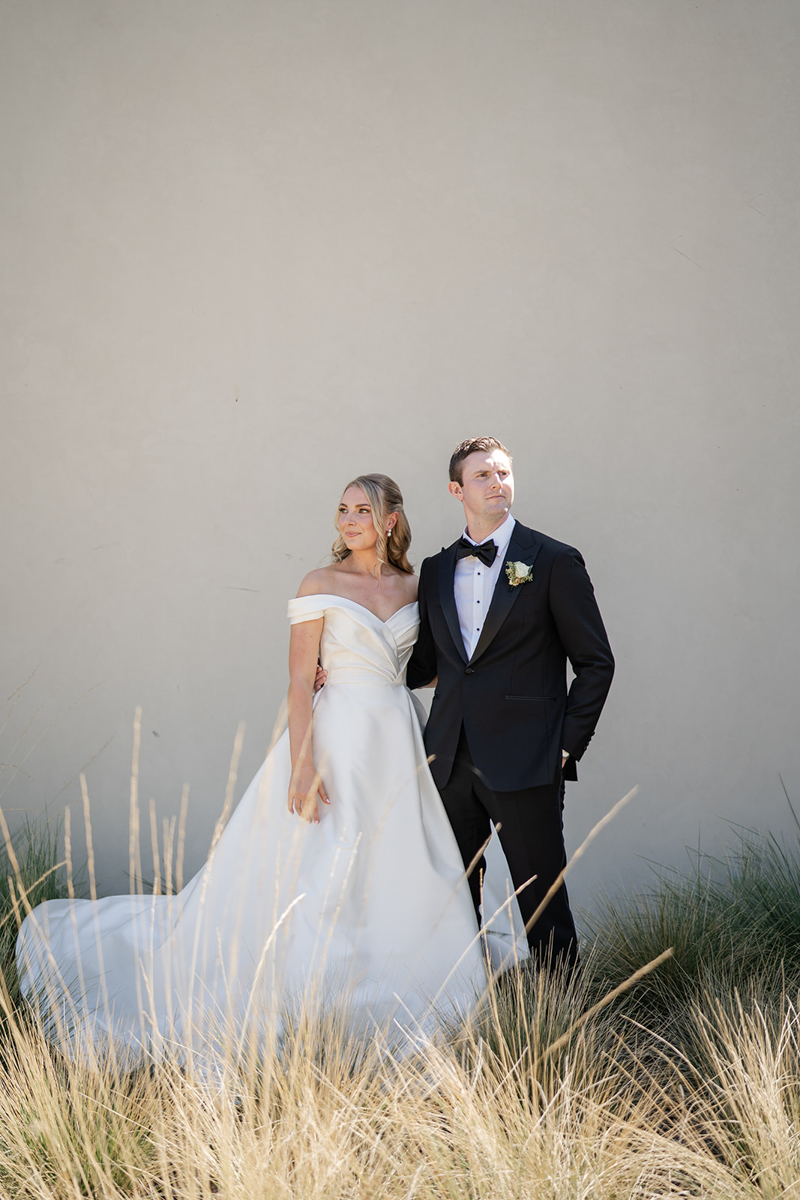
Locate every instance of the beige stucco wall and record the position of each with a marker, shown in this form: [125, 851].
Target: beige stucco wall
[253, 248]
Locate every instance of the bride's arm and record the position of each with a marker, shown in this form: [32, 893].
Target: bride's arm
[306, 787]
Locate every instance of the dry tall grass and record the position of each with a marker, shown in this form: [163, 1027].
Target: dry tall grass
[686, 1085]
[324, 1118]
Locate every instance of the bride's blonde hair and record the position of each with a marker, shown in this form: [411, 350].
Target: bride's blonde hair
[385, 498]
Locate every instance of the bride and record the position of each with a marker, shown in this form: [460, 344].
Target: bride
[337, 881]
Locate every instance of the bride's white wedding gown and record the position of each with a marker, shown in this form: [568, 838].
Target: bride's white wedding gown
[368, 908]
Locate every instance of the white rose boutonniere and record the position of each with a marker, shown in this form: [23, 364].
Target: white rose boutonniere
[519, 572]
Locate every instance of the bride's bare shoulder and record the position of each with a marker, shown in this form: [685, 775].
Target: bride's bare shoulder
[317, 583]
[411, 587]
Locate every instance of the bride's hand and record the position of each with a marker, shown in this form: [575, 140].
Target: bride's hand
[305, 791]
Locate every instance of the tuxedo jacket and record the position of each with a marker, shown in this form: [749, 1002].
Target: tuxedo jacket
[511, 696]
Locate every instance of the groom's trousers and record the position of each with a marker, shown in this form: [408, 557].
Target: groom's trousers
[530, 829]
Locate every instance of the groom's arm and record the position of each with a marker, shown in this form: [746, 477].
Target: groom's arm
[583, 636]
[422, 664]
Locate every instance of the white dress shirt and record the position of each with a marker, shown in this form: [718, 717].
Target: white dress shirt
[474, 584]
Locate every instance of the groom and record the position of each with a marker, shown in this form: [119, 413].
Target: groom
[501, 612]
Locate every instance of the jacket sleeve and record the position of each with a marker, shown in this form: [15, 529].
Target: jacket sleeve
[422, 664]
[583, 636]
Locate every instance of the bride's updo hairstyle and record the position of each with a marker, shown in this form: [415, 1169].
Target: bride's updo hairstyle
[385, 498]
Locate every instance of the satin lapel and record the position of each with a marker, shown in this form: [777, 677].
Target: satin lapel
[447, 597]
[523, 547]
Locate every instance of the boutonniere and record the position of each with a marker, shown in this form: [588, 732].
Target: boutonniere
[519, 572]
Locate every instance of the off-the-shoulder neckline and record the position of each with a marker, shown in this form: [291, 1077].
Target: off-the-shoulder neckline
[334, 596]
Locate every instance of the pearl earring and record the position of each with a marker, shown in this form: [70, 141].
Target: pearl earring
[389, 531]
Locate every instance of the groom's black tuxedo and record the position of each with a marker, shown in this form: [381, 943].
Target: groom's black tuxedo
[511, 696]
[500, 719]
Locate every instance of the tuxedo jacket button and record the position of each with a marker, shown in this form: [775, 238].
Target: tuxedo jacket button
[469, 670]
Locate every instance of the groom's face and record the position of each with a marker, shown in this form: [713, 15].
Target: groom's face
[487, 486]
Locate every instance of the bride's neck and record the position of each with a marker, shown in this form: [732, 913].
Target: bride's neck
[365, 562]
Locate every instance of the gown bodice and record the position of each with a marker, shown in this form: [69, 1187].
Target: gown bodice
[356, 646]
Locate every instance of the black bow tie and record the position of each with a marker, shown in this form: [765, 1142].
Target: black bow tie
[486, 552]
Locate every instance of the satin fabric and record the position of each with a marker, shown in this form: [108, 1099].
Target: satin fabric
[368, 909]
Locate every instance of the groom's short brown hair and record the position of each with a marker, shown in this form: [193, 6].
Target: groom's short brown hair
[464, 449]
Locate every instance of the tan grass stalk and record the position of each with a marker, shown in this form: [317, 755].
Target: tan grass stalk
[608, 999]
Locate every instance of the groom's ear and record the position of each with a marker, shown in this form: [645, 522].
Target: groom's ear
[454, 488]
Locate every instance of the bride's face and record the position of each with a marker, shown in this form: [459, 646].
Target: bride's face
[355, 520]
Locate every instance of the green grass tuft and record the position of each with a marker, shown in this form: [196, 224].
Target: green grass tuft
[734, 925]
[42, 876]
